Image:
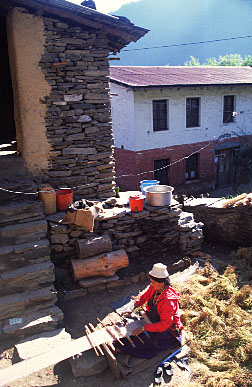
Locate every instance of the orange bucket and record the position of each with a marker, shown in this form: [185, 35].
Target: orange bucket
[64, 198]
[136, 203]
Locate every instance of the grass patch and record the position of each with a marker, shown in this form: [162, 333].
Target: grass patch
[217, 314]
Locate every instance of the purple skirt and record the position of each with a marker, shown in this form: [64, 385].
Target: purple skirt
[159, 342]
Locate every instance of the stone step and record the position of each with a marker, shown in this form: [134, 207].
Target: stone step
[15, 256]
[44, 320]
[12, 165]
[20, 212]
[42, 343]
[23, 232]
[26, 278]
[18, 304]
[17, 190]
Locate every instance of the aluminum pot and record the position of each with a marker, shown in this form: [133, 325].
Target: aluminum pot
[159, 195]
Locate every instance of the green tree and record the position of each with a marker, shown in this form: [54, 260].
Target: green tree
[226, 60]
[247, 61]
[230, 60]
[211, 62]
[193, 62]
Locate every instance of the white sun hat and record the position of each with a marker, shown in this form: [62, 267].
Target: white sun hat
[159, 271]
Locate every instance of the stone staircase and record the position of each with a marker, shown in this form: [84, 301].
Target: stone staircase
[27, 294]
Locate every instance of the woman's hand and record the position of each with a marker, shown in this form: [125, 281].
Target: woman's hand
[137, 331]
[126, 313]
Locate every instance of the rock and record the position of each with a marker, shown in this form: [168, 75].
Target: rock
[73, 97]
[44, 320]
[79, 151]
[88, 282]
[18, 304]
[59, 238]
[15, 256]
[142, 276]
[135, 278]
[41, 343]
[22, 233]
[75, 294]
[88, 364]
[84, 118]
[115, 284]
[26, 278]
[14, 212]
[97, 288]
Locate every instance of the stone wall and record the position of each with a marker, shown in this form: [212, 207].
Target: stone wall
[232, 225]
[154, 233]
[78, 119]
[60, 75]
[27, 293]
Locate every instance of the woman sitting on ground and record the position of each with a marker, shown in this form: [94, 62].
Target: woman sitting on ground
[165, 329]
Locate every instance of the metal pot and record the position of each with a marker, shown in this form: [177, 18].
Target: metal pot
[159, 195]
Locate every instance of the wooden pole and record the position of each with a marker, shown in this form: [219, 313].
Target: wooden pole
[110, 344]
[109, 331]
[139, 338]
[99, 348]
[92, 345]
[119, 331]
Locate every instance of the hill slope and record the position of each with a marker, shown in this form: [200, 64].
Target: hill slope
[183, 21]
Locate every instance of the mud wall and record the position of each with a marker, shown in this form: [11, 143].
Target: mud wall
[26, 42]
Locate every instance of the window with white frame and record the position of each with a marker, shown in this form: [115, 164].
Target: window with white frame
[160, 114]
[192, 112]
[228, 108]
[192, 168]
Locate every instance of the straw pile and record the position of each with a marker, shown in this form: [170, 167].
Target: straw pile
[217, 314]
[241, 200]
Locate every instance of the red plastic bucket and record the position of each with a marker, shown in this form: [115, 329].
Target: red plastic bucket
[136, 203]
[64, 197]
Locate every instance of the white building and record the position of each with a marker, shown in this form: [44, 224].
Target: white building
[162, 115]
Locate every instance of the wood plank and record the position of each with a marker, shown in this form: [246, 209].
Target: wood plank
[27, 367]
[112, 362]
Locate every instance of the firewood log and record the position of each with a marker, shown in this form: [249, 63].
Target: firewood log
[89, 247]
[100, 265]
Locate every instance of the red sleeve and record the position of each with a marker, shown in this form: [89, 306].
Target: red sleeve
[166, 312]
[144, 297]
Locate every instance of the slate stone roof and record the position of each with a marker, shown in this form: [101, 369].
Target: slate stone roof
[119, 30]
[154, 76]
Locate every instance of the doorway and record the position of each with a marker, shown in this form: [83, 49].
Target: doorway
[162, 171]
[7, 123]
[225, 169]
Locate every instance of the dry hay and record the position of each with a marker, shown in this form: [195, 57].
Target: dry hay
[217, 315]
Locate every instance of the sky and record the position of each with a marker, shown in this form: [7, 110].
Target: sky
[106, 6]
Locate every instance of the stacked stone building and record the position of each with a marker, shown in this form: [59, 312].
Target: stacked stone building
[56, 129]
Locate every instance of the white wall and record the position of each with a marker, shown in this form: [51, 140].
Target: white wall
[211, 116]
[122, 107]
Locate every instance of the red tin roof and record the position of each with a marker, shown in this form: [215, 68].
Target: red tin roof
[153, 76]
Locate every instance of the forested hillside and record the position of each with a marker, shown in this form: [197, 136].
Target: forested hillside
[183, 21]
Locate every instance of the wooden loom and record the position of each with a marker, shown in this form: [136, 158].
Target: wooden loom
[99, 337]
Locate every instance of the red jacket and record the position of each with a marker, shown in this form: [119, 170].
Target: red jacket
[167, 307]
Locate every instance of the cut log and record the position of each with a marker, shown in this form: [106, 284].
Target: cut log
[104, 264]
[89, 247]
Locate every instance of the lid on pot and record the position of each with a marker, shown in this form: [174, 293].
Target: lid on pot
[137, 196]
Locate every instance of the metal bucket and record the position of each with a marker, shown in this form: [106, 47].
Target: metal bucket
[147, 183]
[159, 195]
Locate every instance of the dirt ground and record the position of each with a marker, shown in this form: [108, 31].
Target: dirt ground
[88, 309]
[81, 311]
